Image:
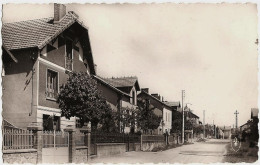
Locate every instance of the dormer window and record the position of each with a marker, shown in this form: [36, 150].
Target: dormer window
[69, 55]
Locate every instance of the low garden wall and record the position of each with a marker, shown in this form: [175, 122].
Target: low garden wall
[149, 146]
[107, 149]
[137, 146]
[20, 156]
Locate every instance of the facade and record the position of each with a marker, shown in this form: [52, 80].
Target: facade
[129, 87]
[161, 109]
[46, 50]
[225, 132]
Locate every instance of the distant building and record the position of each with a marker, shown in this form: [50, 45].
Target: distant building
[161, 109]
[121, 93]
[225, 132]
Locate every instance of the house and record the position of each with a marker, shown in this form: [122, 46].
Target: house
[191, 116]
[114, 97]
[127, 99]
[225, 132]
[37, 55]
[161, 109]
[250, 128]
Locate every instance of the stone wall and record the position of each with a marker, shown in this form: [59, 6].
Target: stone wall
[20, 156]
[137, 147]
[107, 149]
[149, 146]
[81, 155]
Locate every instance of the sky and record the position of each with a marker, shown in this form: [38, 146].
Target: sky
[208, 50]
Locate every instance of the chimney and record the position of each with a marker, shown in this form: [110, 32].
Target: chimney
[59, 11]
[162, 99]
[146, 90]
[157, 96]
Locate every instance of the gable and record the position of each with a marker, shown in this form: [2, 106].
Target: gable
[43, 32]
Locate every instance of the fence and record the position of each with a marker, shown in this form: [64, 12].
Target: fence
[54, 139]
[100, 137]
[81, 139]
[17, 139]
[153, 138]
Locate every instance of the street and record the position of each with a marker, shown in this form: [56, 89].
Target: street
[211, 151]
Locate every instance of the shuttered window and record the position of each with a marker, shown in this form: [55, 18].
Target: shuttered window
[52, 84]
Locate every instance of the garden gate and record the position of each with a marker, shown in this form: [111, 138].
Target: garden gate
[55, 147]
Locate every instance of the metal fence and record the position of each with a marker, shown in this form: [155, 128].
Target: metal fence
[153, 138]
[17, 139]
[100, 137]
[55, 139]
[81, 139]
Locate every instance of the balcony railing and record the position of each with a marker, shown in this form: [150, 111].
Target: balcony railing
[68, 63]
[51, 94]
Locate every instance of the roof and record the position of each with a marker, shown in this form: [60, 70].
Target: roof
[163, 103]
[9, 53]
[100, 79]
[123, 82]
[225, 128]
[191, 114]
[35, 33]
[173, 103]
[38, 33]
[7, 124]
[254, 112]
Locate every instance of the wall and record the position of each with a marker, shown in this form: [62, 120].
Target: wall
[167, 118]
[107, 149]
[149, 146]
[19, 89]
[81, 155]
[137, 147]
[110, 95]
[20, 156]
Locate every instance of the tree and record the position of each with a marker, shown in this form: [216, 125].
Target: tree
[127, 118]
[79, 97]
[177, 123]
[146, 118]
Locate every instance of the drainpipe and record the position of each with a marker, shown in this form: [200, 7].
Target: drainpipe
[33, 71]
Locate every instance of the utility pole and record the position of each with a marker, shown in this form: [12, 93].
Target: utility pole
[203, 124]
[183, 95]
[236, 113]
[215, 131]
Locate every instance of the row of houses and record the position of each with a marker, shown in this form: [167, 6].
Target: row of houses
[38, 54]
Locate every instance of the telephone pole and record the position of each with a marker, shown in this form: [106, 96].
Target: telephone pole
[203, 124]
[183, 95]
[236, 113]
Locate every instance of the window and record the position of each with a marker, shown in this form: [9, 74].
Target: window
[78, 124]
[52, 84]
[51, 123]
[69, 55]
[56, 123]
[133, 97]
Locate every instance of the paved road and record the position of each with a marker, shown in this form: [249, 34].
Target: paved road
[211, 151]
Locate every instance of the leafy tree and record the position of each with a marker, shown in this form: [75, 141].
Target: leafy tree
[146, 118]
[128, 118]
[177, 123]
[80, 97]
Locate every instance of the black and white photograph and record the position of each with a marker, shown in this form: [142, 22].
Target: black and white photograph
[129, 83]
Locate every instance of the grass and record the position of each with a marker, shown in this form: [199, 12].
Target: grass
[245, 154]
